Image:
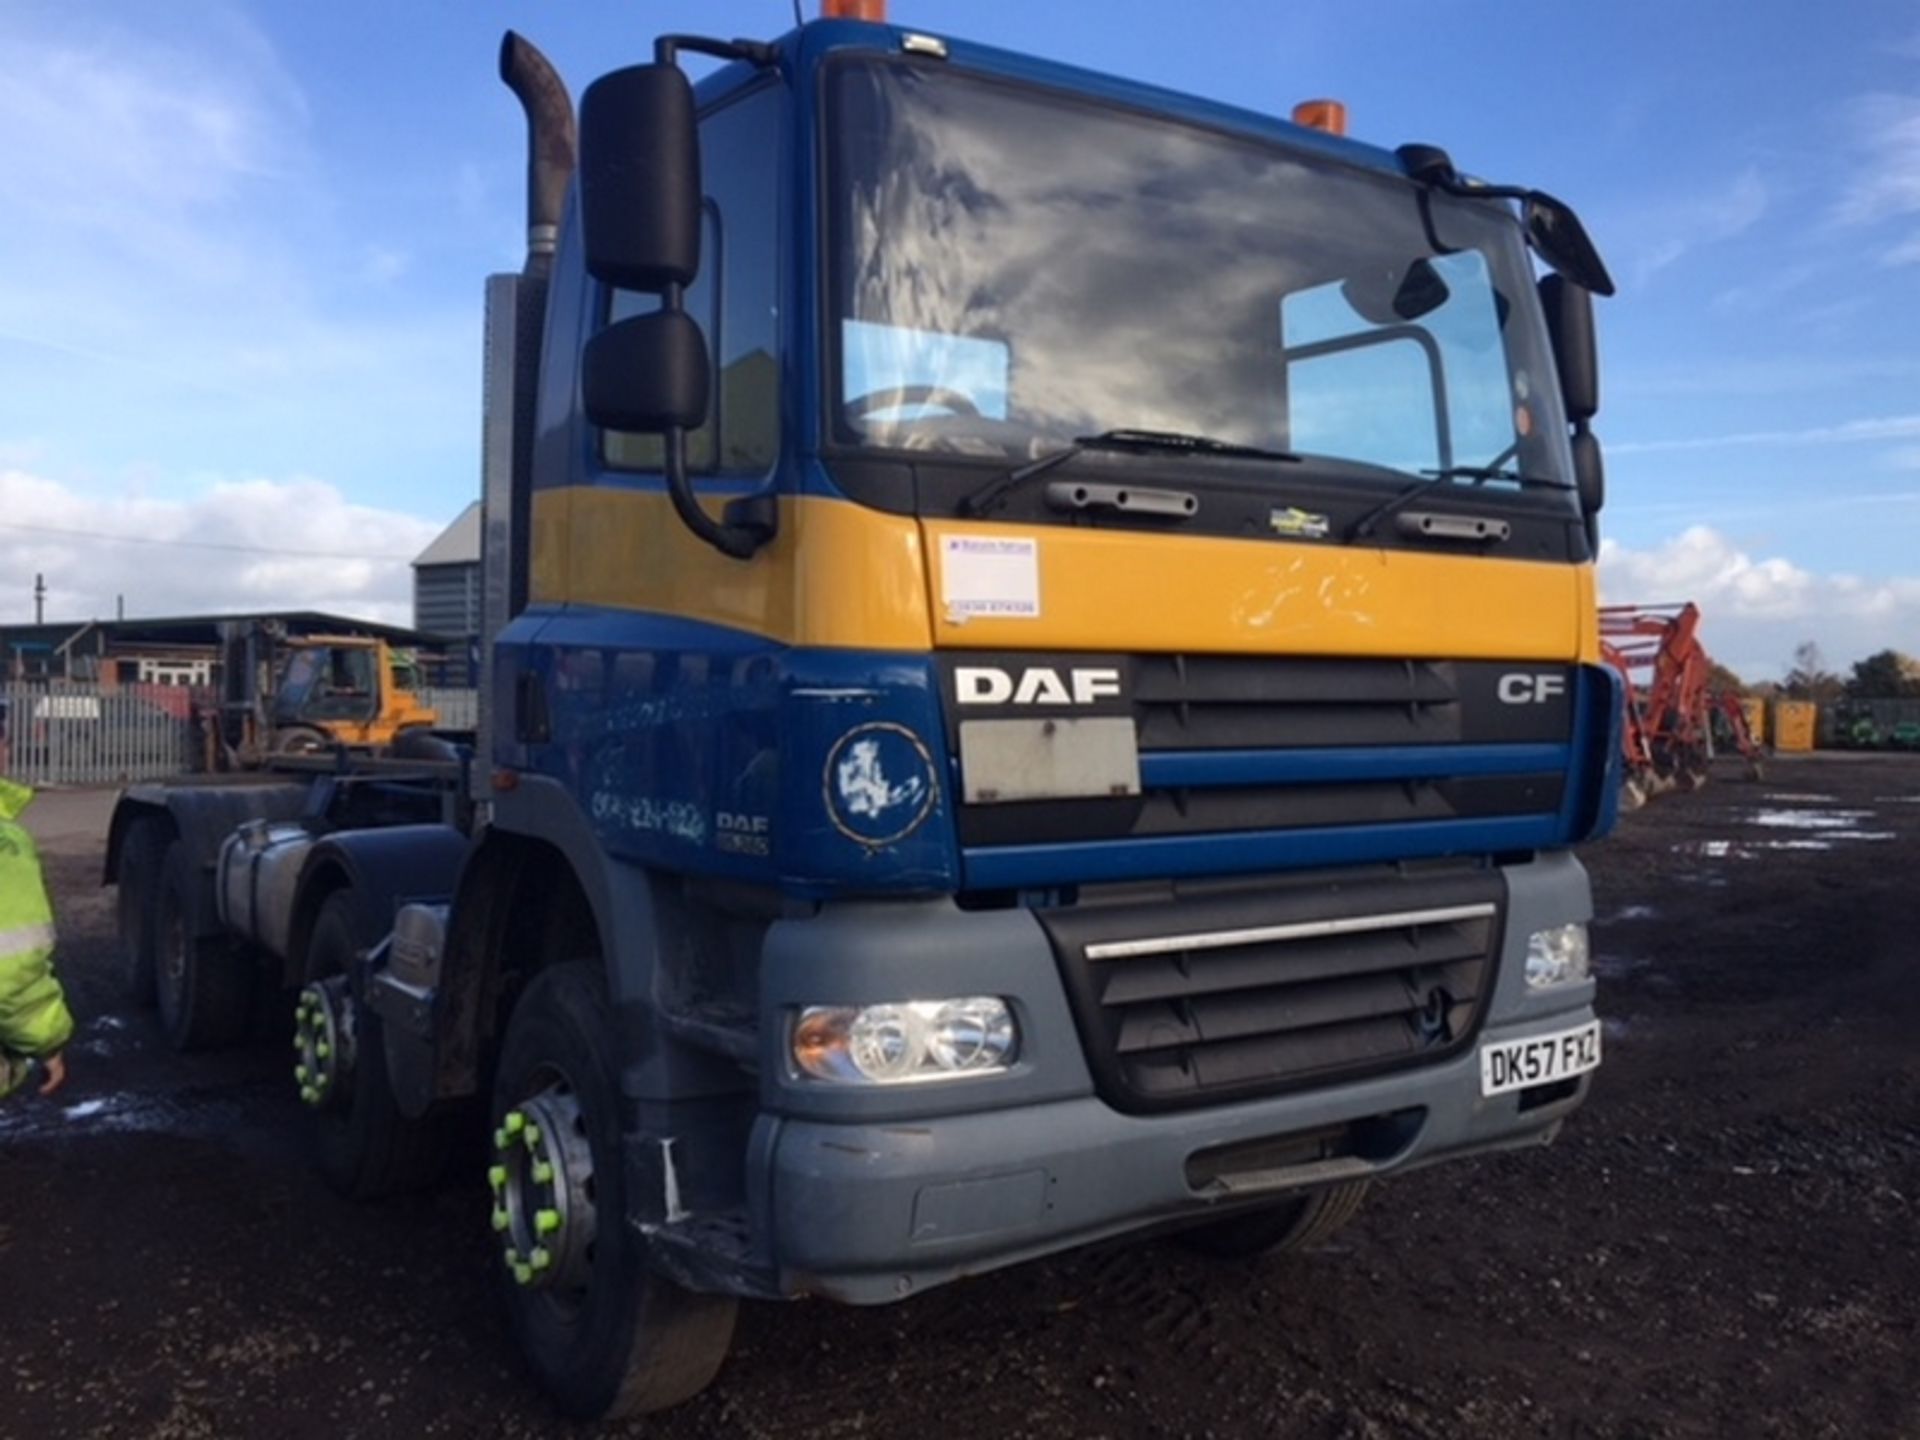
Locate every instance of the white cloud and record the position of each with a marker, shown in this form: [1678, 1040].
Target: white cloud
[1875, 428]
[254, 545]
[1887, 184]
[180, 250]
[1706, 220]
[1755, 610]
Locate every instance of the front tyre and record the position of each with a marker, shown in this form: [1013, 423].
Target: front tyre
[1296, 1224]
[604, 1335]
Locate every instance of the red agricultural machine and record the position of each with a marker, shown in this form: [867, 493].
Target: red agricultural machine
[1671, 702]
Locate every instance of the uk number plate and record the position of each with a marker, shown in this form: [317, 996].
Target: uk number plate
[1539, 1059]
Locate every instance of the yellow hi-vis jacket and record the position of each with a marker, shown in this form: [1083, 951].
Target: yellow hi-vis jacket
[33, 1012]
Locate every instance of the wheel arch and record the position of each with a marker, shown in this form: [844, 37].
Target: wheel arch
[382, 869]
[539, 850]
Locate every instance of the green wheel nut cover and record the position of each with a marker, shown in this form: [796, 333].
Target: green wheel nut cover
[522, 1272]
[323, 1050]
[532, 1136]
[497, 1177]
[514, 1122]
[542, 1173]
[300, 1073]
[545, 1222]
[540, 1259]
[501, 1139]
[500, 1220]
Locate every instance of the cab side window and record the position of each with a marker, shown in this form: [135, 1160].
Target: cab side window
[735, 299]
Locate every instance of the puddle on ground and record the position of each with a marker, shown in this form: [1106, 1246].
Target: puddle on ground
[1824, 830]
[1748, 849]
[125, 1113]
[1788, 797]
[1807, 819]
[1891, 799]
[1630, 912]
[102, 1035]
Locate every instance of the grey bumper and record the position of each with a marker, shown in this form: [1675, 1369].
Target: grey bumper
[870, 1196]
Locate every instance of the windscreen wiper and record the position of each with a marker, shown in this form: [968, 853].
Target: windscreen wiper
[1433, 479]
[989, 496]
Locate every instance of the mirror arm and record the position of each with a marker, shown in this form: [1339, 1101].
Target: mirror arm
[739, 541]
[666, 50]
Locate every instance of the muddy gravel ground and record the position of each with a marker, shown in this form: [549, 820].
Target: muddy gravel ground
[1726, 1241]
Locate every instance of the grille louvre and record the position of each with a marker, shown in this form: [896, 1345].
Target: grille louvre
[1279, 1003]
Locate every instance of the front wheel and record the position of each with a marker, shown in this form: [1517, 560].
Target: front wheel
[1294, 1224]
[603, 1333]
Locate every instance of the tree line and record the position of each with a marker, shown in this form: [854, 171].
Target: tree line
[1884, 675]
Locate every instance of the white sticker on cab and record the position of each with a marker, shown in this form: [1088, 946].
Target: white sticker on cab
[989, 577]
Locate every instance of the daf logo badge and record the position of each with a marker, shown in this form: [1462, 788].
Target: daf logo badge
[1035, 685]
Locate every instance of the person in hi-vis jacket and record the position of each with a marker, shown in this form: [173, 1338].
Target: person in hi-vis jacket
[34, 1022]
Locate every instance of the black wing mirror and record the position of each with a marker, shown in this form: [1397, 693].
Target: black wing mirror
[640, 179]
[640, 202]
[647, 374]
[1559, 238]
[1569, 312]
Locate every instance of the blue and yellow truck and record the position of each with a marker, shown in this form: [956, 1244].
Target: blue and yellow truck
[1043, 683]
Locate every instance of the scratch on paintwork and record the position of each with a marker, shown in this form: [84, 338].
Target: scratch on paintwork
[1283, 595]
[670, 1181]
[681, 819]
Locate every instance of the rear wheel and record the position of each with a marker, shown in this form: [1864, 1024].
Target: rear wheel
[1295, 1224]
[603, 1333]
[204, 984]
[137, 880]
[364, 1145]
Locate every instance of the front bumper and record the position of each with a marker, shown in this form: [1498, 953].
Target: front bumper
[870, 1196]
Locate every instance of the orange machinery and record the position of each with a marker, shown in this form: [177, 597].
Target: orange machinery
[1670, 700]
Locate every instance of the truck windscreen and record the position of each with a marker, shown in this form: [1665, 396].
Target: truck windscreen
[1014, 267]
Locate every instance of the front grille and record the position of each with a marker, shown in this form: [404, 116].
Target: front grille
[1252, 992]
[1234, 743]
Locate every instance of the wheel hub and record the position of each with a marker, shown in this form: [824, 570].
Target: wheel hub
[323, 1042]
[542, 1183]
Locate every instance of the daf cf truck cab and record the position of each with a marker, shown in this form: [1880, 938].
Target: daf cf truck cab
[1044, 682]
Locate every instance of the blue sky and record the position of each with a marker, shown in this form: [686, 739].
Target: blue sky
[245, 245]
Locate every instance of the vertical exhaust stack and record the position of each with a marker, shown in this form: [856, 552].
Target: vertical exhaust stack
[551, 144]
[516, 321]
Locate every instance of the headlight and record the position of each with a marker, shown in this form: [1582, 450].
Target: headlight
[1557, 956]
[905, 1042]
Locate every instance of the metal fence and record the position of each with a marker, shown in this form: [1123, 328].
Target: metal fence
[61, 733]
[64, 734]
[458, 709]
